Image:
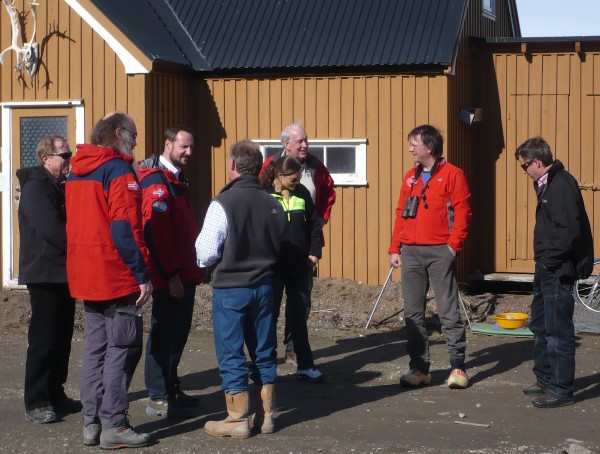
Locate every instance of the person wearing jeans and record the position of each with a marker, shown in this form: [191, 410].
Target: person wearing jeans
[241, 237]
[563, 252]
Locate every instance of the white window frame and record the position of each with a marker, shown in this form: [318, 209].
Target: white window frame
[488, 8]
[359, 178]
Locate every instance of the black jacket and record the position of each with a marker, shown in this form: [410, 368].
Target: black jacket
[562, 239]
[42, 228]
[303, 233]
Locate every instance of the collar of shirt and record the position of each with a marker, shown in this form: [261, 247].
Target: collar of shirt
[542, 180]
[165, 162]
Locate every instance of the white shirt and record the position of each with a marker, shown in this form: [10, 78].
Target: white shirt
[165, 162]
[209, 244]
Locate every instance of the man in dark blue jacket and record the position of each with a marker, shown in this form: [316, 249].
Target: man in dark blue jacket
[563, 252]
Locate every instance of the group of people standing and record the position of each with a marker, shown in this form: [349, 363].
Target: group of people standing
[114, 233]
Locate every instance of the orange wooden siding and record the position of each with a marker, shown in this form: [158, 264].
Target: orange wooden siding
[551, 93]
[76, 63]
[381, 109]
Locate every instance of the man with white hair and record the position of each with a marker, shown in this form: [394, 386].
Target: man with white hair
[316, 178]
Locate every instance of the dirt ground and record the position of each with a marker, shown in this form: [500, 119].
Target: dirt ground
[360, 408]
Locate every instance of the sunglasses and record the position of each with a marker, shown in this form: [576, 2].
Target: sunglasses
[66, 155]
[526, 166]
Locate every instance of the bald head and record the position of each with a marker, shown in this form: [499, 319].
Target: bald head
[116, 130]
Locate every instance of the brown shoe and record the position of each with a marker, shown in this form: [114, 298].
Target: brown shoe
[263, 419]
[236, 423]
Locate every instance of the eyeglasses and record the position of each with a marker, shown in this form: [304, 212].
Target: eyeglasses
[526, 165]
[292, 180]
[66, 155]
[133, 134]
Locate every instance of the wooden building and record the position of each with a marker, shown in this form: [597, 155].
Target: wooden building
[547, 87]
[359, 74]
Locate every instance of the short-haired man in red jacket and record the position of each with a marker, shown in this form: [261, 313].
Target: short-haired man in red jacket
[170, 230]
[316, 178]
[432, 218]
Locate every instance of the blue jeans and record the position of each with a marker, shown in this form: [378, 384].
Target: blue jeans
[171, 323]
[552, 324]
[244, 315]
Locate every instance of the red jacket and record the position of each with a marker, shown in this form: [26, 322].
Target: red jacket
[170, 227]
[324, 192]
[106, 254]
[445, 220]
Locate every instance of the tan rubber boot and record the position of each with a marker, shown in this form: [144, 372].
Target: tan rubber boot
[236, 423]
[265, 409]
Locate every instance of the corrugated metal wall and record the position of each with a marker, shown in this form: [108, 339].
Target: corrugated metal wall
[381, 109]
[554, 92]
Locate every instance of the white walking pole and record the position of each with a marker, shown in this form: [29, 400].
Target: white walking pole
[379, 297]
[462, 303]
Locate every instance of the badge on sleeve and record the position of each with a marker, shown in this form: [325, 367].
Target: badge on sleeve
[160, 206]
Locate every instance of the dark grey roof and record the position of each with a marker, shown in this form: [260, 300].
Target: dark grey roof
[214, 35]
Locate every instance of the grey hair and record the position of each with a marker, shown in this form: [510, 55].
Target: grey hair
[285, 134]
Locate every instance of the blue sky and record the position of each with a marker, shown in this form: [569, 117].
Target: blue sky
[559, 17]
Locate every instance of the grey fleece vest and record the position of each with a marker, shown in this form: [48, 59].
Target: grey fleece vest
[256, 225]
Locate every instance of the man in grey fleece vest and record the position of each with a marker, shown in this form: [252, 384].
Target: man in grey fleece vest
[242, 235]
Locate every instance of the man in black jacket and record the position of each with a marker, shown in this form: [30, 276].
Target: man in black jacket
[42, 267]
[563, 249]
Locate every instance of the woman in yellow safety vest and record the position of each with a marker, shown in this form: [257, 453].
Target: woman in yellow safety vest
[300, 252]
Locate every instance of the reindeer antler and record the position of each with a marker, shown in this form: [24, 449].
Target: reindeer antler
[27, 57]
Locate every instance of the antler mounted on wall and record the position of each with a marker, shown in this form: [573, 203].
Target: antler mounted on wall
[27, 56]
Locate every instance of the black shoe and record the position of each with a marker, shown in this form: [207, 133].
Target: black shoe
[186, 400]
[67, 406]
[40, 415]
[537, 389]
[549, 400]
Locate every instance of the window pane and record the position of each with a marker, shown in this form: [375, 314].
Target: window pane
[271, 150]
[32, 130]
[341, 160]
[318, 152]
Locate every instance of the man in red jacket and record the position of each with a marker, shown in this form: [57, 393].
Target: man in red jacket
[316, 178]
[431, 225]
[170, 230]
[107, 268]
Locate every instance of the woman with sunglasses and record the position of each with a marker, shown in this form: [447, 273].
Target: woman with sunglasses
[300, 252]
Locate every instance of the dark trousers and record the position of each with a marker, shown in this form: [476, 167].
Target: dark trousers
[552, 324]
[287, 336]
[49, 337]
[171, 323]
[296, 283]
[111, 351]
[420, 266]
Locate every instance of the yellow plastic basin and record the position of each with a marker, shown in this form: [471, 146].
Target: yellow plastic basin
[511, 320]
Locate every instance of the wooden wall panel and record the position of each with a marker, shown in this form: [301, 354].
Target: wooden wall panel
[552, 92]
[381, 109]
